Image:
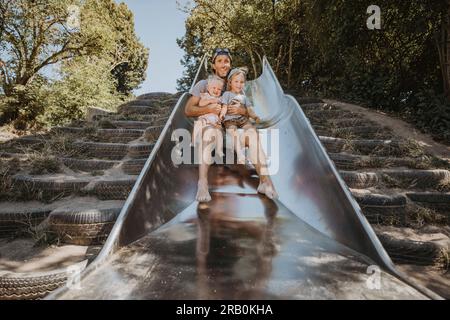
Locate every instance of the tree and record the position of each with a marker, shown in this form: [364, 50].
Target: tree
[37, 34]
[84, 82]
[442, 40]
[129, 56]
[324, 48]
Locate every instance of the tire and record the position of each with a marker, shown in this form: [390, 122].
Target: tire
[383, 209]
[411, 252]
[360, 180]
[85, 227]
[30, 288]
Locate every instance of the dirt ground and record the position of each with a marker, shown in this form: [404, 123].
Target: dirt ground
[399, 128]
[6, 134]
[25, 256]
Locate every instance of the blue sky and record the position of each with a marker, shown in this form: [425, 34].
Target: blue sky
[158, 24]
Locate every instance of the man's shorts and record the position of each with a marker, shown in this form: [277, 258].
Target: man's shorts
[237, 122]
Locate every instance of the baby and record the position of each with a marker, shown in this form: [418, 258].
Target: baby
[212, 96]
[235, 96]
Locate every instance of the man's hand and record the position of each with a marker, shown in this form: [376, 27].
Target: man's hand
[214, 108]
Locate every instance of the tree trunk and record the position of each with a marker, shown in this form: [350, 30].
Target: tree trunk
[255, 73]
[277, 67]
[291, 46]
[443, 46]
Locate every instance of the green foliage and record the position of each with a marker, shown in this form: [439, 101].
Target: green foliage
[324, 48]
[85, 83]
[430, 112]
[99, 61]
[130, 57]
[24, 103]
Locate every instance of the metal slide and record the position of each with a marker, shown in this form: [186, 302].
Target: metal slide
[312, 243]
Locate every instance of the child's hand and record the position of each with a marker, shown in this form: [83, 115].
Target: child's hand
[257, 120]
[223, 112]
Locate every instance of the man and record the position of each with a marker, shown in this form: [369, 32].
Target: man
[221, 66]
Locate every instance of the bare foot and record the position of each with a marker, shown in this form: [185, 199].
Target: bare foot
[266, 187]
[240, 158]
[202, 192]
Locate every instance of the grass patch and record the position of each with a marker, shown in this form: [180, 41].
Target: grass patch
[444, 186]
[411, 148]
[402, 183]
[374, 162]
[8, 168]
[42, 163]
[418, 216]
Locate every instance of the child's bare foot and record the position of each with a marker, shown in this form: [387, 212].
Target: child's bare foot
[240, 157]
[203, 192]
[266, 187]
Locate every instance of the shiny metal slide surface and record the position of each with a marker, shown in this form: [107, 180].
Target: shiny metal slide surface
[311, 243]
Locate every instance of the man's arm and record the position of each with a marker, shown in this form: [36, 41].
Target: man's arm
[206, 101]
[193, 110]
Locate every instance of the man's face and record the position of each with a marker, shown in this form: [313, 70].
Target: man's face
[222, 65]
